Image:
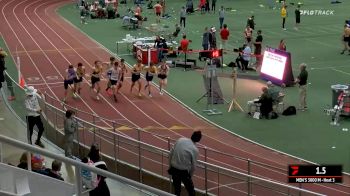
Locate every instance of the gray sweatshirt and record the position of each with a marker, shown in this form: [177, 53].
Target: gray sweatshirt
[184, 155]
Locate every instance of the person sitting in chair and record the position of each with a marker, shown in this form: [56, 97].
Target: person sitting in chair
[273, 91]
[265, 103]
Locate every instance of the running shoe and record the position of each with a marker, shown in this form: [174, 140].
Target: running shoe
[139, 94]
[150, 95]
[161, 92]
[39, 143]
[97, 98]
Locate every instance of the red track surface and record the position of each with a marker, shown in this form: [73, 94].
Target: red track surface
[47, 44]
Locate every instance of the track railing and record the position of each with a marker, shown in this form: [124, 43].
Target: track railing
[136, 150]
[7, 143]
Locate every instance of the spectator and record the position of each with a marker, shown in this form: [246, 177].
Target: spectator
[102, 188]
[251, 23]
[258, 47]
[189, 6]
[221, 16]
[184, 44]
[205, 40]
[273, 91]
[183, 17]
[177, 30]
[158, 11]
[94, 153]
[282, 45]
[33, 114]
[205, 44]
[213, 5]
[23, 161]
[248, 35]
[284, 16]
[3, 54]
[212, 39]
[54, 172]
[84, 12]
[207, 8]
[38, 164]
[138, 14]
[266, 103]
[297, 17]
[182, 161]
[302, 82]
[224, 34]
[202, 6]
[70, 127]
[246, 56]
[346, 39]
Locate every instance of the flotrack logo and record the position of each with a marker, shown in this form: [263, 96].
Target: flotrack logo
[317, 12]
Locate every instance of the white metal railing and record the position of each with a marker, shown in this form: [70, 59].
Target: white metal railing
[78, 167]
[152, 159]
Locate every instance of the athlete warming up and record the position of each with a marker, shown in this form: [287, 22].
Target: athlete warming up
[163, 72]
[95, 79]
[136, 75]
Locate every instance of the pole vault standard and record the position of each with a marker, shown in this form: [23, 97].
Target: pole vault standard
[234, 104]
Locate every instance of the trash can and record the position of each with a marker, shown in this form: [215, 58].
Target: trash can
[336, 90]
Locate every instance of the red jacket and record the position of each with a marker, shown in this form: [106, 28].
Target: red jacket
[224, 33]
[184, 44]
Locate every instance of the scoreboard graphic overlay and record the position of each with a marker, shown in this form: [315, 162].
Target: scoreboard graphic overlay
[315, 173]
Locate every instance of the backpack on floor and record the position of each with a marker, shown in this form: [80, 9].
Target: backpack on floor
[291, 110]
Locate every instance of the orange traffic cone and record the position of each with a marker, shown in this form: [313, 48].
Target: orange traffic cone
[21, 82]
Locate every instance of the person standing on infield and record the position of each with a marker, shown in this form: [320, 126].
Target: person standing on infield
[302, 82]
[221, 16]
[284, 16]
[182, 161]
[297, 18]
[183, 17]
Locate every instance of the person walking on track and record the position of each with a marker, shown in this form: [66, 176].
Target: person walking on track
[33, 115]
[163, 72]
[95, 78]
[124, 70]
[80, 72]
[68, 82]
[114, 75]
[150, 72]
[182, 161]
[136, 76]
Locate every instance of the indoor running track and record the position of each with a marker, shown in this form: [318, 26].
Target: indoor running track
[47, 44]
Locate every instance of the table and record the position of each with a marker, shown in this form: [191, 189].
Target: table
[132, 40]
